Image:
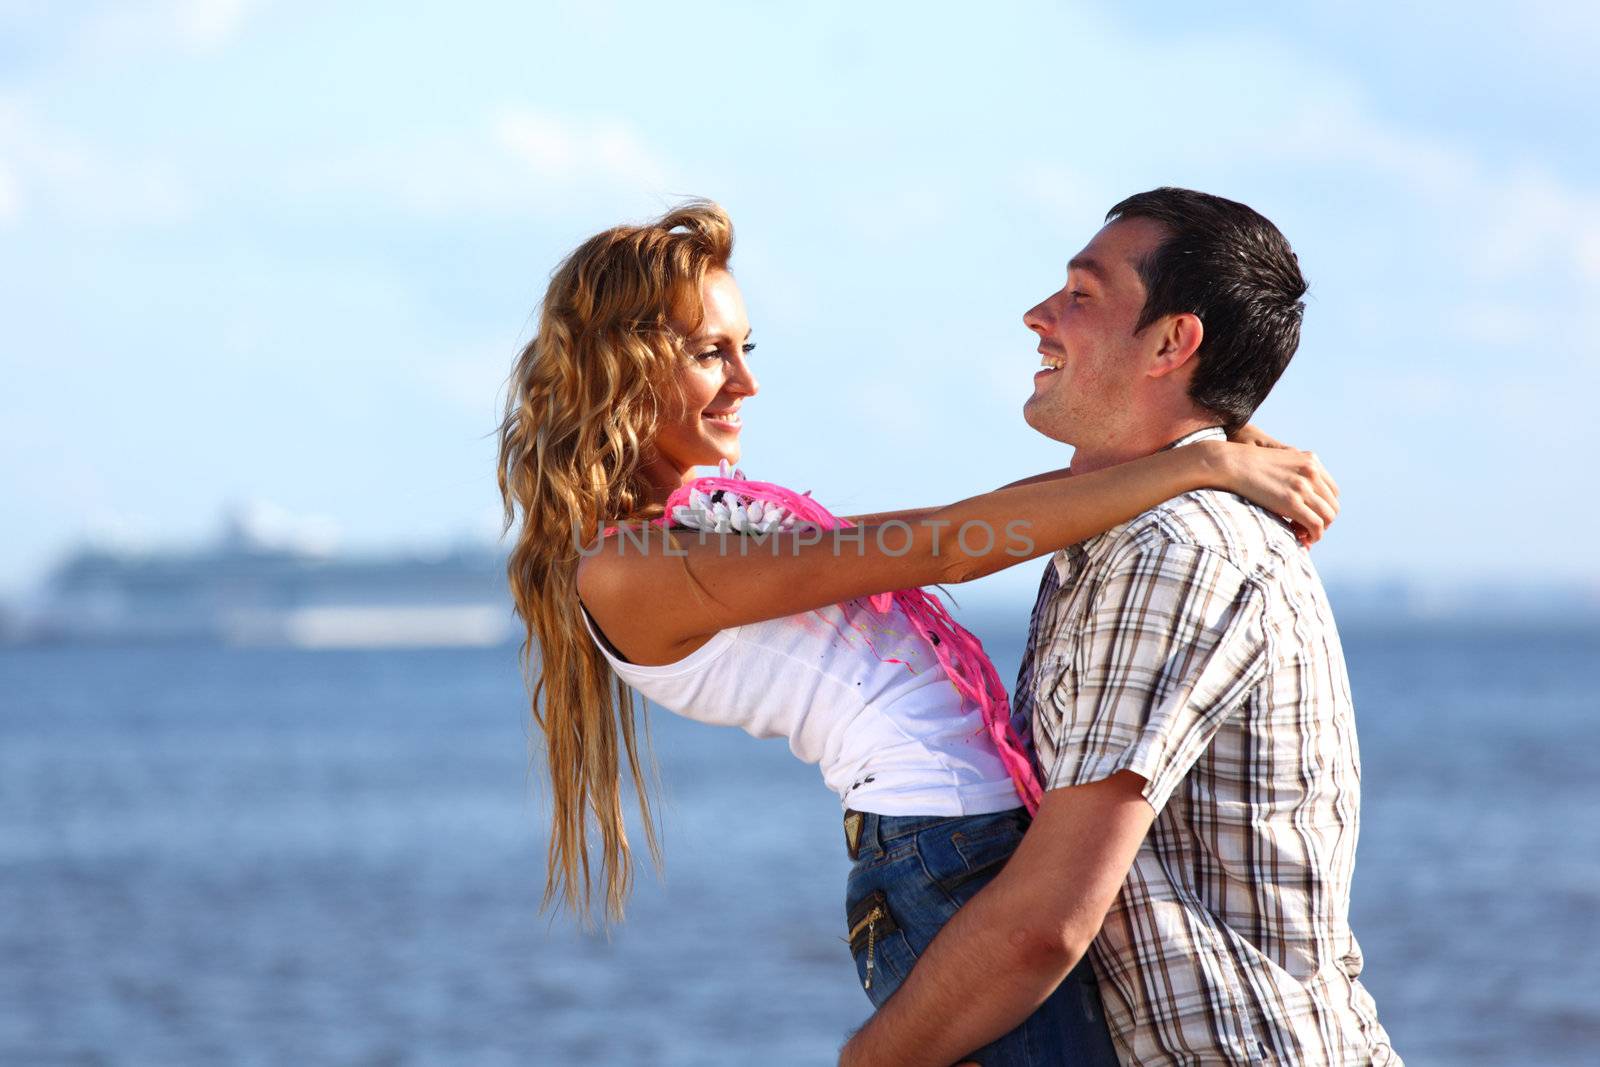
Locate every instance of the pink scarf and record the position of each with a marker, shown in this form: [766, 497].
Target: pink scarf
[959, 652]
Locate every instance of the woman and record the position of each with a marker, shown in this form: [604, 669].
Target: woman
[635, 378]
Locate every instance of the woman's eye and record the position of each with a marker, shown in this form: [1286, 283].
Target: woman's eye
[717, 353]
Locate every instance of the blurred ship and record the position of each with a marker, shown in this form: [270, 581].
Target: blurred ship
[254, 586]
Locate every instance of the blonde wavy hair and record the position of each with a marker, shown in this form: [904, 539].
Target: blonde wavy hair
[581, 414]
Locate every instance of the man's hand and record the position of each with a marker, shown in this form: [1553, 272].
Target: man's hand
[1008, 949]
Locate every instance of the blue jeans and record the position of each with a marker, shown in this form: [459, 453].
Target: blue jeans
[911, 875]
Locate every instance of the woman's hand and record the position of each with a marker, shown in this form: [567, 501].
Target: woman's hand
[1286, 481]
[1251, 435]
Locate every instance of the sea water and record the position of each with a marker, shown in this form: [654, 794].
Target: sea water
[221, 856]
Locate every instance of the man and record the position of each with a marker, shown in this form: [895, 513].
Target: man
[1187, 697]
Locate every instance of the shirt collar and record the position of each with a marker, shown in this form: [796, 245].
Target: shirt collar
[1210, 433]
[1063, 559]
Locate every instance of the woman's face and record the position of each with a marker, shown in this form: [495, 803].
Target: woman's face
[715, 380]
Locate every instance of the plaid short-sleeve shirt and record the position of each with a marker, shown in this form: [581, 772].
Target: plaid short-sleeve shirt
[1195, 647]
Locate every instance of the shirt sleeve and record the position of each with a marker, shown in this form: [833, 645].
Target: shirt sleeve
[1173, 643]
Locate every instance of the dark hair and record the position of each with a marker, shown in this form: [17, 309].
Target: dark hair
[1229, 265]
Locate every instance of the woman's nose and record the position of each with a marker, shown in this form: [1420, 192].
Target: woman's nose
[743, 378]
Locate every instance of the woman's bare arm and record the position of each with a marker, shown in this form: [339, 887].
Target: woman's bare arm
[659, 594]
[922, 512]
[913, 514]
[1047, 476]
[878, 518]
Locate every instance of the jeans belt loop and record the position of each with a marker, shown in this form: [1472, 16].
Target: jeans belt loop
[855, 829]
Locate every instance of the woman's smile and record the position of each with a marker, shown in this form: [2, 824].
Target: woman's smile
[726, 419]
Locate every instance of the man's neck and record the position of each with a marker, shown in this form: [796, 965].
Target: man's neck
[1100, 455]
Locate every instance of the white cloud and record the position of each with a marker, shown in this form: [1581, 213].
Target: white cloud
[1496, 323]
[474, 378]
[1420, 393]
[10, 195]
[1067, 198]
[574, 151]
[515, 161]
[1334, 128]
[192, 26]
[264, 524]
[1485, 221]
[210, 24]
[51, 172]
[1506, 221]
[893, 215]
[1537, 221]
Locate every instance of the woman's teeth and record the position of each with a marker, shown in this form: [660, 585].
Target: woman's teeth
[725, 418]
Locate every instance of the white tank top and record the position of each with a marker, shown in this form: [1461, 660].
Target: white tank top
[858, 693]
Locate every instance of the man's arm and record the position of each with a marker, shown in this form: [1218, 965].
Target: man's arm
[1171, 646]
[1012, 944]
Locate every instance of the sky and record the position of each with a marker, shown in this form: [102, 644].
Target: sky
[283, 254]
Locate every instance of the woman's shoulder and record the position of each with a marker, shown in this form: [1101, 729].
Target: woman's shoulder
[601, 572]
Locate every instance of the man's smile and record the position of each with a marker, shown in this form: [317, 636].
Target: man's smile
[1049, 363]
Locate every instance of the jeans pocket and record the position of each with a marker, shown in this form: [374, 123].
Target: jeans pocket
[869, 861]
[982, 850]
[883, 955]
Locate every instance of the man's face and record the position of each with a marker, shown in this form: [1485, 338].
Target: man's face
[1094, 365]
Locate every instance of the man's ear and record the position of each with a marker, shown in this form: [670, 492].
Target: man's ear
[1180, 336]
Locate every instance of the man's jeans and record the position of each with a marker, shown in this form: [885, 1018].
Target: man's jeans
[910, 876]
